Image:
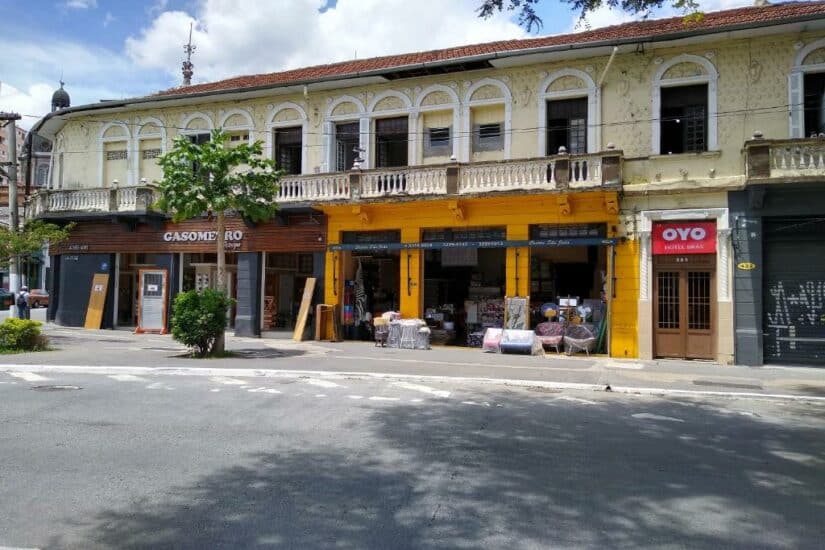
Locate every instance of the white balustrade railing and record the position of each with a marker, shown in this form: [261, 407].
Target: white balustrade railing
[316, 187]
[126, 199]
[508, 176]
[585, 172]
[79, 200]
[413, 181]
[804, 159]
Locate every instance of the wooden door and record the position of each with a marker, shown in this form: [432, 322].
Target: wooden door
[684, 307]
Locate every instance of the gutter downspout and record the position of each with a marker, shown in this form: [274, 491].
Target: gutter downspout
[607, 67]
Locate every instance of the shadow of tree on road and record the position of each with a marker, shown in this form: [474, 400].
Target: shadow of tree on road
[535, 472]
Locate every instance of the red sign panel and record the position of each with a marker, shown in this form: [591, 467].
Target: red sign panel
[684, 238]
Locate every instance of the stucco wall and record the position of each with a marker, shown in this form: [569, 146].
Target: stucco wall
[752, 95]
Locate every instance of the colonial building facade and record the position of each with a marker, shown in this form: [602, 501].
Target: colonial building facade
[602, 166]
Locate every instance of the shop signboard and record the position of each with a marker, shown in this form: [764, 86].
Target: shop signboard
[686, 237]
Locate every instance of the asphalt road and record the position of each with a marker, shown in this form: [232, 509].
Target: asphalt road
[172, 461]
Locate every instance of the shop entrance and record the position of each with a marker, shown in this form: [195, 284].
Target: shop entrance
[128, 289]
[200, 271]
[569, 282]
[372, 280]
[285, 275]
[463, 292]
[684, 306]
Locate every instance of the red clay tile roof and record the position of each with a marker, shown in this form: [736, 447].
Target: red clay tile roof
[654, 28]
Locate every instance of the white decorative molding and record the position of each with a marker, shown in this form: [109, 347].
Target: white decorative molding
[140, 136]
[405, 99]
[594, 113]
[188, 119]
[710, 78]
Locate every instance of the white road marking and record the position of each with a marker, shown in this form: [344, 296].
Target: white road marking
[215, 390]
[648, 416]
[16, 548]
[320, 395]
[263, 390]
[421, 388]
[228, 381]
[322, 383]
[385, 398]
[416, 400]
[159, 386]
[126, 378]
[623, 365]
[469, 403]
[356, 396]
[575, 400]
[28, 376]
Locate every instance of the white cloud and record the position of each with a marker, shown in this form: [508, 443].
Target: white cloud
[34, 100]
[248, 36]
[605, 16]
[81, 4]
[108, 19]
[91, 74]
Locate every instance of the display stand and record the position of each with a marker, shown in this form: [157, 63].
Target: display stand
[152, 300]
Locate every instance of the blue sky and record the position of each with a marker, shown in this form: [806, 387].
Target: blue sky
[120, 48]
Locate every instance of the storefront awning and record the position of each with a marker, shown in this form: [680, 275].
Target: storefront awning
[580, 241]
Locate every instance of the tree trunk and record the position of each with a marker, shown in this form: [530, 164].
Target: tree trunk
[220, 221]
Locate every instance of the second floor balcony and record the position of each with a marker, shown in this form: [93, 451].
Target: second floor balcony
[785, 159]
[558, 173]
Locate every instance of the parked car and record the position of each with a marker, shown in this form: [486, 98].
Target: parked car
[6, 299]
[38, 297]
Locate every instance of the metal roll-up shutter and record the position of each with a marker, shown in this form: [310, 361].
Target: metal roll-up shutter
[794, 291]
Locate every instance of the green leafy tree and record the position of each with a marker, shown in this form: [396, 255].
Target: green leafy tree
[528, 18]
[218, 180]
[22, 244]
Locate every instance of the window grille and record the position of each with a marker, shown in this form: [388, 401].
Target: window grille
[116, 155]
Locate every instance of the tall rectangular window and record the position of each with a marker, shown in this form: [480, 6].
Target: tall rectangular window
[346, 141]
[684, 119]
[288, 151]
[391, 142]
[567, 126]
[814, 87]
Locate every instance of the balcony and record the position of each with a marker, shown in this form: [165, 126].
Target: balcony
[559, 173]
[56, 203]
[789, 159]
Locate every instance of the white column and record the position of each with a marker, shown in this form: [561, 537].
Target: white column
[723, 269]
[466, 138]
[644, 266]
[365, 129]
[412, 139]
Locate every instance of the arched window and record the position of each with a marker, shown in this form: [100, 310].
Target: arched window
[114, 145]
[151, 143]
[487, 117]
[346, 129]
[569, 113]
[392, 129]
[41, 178]
[806, 91]
[237, 123]
[684, 106]
[287, 130]
[437, 109]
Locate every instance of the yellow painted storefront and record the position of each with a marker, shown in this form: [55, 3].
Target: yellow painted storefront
[516, 214]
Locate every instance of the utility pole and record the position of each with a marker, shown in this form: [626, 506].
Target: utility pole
[9, 121]
[188, 67]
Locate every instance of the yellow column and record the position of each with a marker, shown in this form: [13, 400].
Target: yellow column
[518, 262]
[333, 272]
[624, 308]
[411, 279]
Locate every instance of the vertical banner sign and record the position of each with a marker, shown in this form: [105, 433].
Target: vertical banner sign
[152, 300]
[684, 238]
[97, 301]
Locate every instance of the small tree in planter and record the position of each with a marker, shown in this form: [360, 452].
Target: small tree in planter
[199, 319]
[216, 179]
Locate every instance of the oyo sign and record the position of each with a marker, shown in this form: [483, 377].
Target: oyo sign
[684, 238]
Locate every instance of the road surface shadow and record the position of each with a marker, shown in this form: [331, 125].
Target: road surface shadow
[531, 473]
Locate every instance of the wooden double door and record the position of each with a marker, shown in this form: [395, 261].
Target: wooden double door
[684, 306]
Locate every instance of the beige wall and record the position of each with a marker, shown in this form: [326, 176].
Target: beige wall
[752, 95]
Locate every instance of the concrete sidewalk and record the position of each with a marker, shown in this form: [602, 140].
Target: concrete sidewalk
[107, 348]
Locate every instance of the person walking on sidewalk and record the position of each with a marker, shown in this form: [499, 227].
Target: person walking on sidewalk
[23, 311]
